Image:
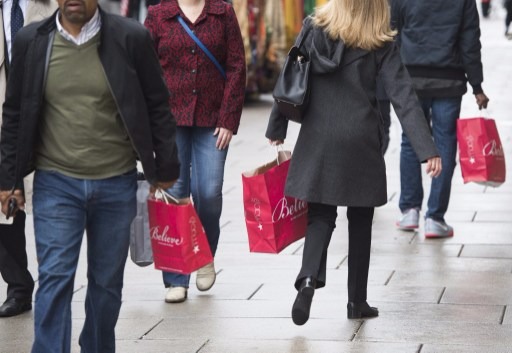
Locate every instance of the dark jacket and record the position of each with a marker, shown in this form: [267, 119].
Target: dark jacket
[440, 45]
[135, 78]
[337, 158]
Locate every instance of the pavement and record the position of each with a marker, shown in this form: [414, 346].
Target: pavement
[443, 295]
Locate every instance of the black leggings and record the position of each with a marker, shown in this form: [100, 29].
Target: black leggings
[321, 224]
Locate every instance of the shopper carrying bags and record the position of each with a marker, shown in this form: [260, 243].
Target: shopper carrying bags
[201, 51]
[337, 160]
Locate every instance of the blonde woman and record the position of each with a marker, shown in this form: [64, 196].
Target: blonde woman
[338, 154]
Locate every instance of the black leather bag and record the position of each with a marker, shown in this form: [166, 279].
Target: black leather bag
[291, 92]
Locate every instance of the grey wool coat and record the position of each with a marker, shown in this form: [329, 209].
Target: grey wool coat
[337, 159]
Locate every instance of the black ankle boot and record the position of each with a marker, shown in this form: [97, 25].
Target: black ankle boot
[302, 304]
[360, 310]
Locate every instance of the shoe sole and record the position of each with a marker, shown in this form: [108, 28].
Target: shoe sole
[176, 301]
[355, 314]
[434, 235]
[206, 289]
[406, 228]
[22, 311]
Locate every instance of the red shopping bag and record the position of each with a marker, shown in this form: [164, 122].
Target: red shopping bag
[273, 220]
[178, 239]
[480, 151]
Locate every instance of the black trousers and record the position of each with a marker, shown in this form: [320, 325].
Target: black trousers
[13, 259]
[321, 224]
[508, 18]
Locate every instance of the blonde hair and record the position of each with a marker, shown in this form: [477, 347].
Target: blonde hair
[359, 23]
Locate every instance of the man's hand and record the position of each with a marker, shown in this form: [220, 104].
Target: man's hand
[160, 185]
[481, 100]
[434, 167]
[6, 195]
[223, 137]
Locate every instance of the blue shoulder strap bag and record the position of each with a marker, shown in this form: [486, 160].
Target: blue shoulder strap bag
[202, 46]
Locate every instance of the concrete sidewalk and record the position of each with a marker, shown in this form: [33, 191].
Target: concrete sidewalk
[443, 296]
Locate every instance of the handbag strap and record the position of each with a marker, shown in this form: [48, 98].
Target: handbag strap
[303, 38]
[304, 35]
[202, 46]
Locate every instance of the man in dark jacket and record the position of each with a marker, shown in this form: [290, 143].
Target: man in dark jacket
[440, 46]
[13, 256]
[85, 99]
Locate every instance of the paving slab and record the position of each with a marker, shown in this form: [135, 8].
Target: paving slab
[431, 331]
[256, 328]
[437, 348]
[304, 345]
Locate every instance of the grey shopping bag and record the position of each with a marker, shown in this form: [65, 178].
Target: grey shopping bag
[140, 242]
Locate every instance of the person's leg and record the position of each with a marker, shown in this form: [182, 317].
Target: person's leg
[360, 240]
[312, 275]
[321, 224]
[59, 223]
[13, 259]
[111, 207]
[508, 18]
[445, 112]
[206, 182]
[206, 185]
[411, 188]
[181, 189]
[359, 244]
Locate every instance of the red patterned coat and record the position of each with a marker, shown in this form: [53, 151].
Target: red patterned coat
[200, 96]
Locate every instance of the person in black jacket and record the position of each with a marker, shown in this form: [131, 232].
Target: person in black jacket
[13, 255]
[338, 159]
[85, 99]
[440, 46]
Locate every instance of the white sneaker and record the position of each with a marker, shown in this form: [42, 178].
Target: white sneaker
[205, 277]
[176, 295]
[437, 229]
[409, 220]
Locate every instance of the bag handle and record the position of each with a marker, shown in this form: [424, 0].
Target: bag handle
[161, 194]
[279, 148]
[202, 46]
[280, 151]
[483, 113]
[303, 38]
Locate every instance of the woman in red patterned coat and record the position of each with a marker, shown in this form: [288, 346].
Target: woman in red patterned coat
[206, 100]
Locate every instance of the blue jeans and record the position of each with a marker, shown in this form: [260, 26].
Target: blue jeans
[202, 175]
[63, 208]
[442, 113]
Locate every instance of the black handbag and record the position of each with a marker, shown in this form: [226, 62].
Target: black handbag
[291, 92]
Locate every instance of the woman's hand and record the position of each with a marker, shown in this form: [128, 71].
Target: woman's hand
[434, 167]
[224, 137]
[276, 142]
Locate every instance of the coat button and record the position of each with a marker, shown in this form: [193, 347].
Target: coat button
[194, 71]
[193, 51]
[194, 91]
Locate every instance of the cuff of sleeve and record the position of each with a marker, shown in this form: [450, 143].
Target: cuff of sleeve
[477, 89]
